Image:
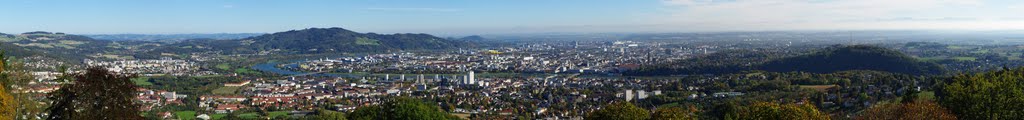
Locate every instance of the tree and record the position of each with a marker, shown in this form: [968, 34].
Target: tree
[674, 113]
[7, 105]
[366, 113]
[400, 109]
[727, 111]
[986, 96]
[322, 114]
[775, 111]
[619, 111]
[13, 76]
[96, 94]
[916, 110]
[7, 102]
[3, 61]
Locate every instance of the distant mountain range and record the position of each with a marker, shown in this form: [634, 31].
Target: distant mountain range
[171, 37]
[68, 47]
[323, 40]
[54, 45]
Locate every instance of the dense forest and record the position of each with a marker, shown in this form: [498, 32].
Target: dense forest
[828, 60]
[855, 57]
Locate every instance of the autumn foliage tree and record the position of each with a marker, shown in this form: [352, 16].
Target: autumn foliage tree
[96, 94]
[7, 102]
[916, 110]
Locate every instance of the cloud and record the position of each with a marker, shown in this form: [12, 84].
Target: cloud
[413, 9]
[827, 14]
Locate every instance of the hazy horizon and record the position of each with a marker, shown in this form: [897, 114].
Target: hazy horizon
[467, 17]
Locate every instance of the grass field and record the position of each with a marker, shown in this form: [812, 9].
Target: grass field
[223, 66]
[208, 76]
[226, 90]
[965, 58]
[218, 116]
[277, 113]
[954, 47]
[142, 81]
[252, 115]
[818, 87]
[186, 115]
[245, 70]
[462, 115]
[367, 41]
[981, 51]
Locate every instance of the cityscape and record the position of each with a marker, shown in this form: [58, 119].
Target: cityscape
[458, 60]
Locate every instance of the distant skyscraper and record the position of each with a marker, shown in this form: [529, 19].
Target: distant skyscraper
[575, 44]
[629, 95]
[472, 78]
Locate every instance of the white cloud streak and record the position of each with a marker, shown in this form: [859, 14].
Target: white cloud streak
[413, 9]
[833, 14]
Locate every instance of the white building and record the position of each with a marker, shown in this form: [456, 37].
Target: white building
[471, 77]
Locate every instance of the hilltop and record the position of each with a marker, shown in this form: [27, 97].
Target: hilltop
[54, 45]
[828, 60]
[171, 37]
[323, 40]
[856, 57]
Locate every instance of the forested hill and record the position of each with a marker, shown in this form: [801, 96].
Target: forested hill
[828, 60]
[318, 40]
[171, 37]
[61, 46]
[856, 57]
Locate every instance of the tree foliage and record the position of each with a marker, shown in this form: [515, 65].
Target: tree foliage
[7, 105]
[96, 94]
[775, 111]
[7, 102]
[986, 96]
[916, 110]
[13, 77]
[619, 111]
[855, 57]
[675, 113]
[400, 109]
[322, 114]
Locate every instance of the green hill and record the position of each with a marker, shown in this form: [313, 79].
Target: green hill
[66, 47]
[319, 40]
[828, 60]
[856, 57]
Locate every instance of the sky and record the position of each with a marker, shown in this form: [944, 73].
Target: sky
[466, 17]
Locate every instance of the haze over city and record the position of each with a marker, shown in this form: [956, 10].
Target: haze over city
[465, 17]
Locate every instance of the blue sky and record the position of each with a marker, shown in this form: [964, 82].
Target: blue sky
[502, 16]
